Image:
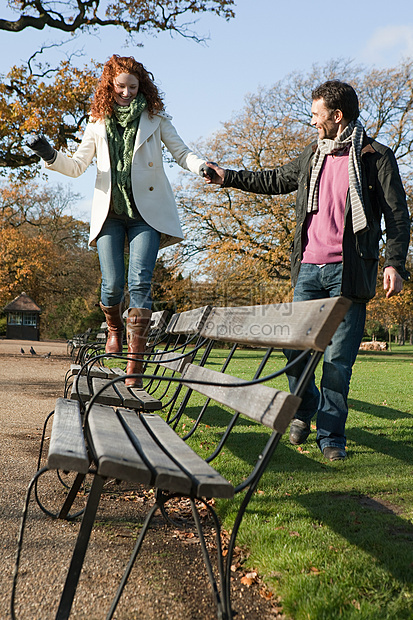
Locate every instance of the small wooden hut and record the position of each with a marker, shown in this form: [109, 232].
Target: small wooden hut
[23, 318]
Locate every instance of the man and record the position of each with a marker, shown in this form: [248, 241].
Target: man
[345, 183]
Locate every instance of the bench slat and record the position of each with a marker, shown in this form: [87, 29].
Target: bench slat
[67, 449]
[80, 385]
[207, 482]
[145, 401]
[262, 403]
[176, 364]
[115, 454]
[109, 396]
[115, 372]
[95, 371]
[121, 396]
[167, 474]
[189, 322]
[136, 399]
[126, 398]
[298, 325]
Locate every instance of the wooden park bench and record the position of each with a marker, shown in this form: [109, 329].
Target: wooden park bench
[125, 444]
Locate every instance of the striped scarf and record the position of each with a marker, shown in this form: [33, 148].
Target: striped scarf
[351, 136]
[121, 151]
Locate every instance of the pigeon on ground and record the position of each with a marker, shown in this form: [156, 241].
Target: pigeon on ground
[48, 354]
[32, 351]
[22, 351]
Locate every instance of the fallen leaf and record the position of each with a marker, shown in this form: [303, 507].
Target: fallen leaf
[267, 594]
[247, 581]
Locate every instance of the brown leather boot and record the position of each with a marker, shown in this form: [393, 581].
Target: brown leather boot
[137, 329]
[114, 321]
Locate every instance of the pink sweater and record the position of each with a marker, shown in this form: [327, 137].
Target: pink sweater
[323, 237]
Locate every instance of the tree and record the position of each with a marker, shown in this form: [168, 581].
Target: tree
[134, 16]
[44, 252]
[38, 99]
[26, 265]
[246, 238]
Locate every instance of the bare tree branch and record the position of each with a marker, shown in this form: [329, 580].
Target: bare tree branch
[131, 15]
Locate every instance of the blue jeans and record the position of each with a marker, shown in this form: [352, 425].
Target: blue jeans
[143, 250]
[330, 401]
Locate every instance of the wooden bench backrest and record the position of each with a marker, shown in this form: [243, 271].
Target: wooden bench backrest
[261, 403]
[174, 361]
[297, 325]
[186, 323]
[189, 322]
[159, 319]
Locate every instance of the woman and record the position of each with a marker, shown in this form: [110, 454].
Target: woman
[133, 199]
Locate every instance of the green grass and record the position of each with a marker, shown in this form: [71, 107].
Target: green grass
[333, 540]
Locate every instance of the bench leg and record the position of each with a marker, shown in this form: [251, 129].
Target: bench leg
[131, 562]
[71, 496]
[79, 552]
[220, 609]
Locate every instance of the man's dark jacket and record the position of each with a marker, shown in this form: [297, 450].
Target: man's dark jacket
[383, 195]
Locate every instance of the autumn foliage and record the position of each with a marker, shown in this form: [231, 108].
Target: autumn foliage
[43, 251]
[32, 102]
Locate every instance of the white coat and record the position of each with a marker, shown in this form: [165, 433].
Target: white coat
[151, 189]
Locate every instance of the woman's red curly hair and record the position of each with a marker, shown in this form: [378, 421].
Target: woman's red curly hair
[103, 100]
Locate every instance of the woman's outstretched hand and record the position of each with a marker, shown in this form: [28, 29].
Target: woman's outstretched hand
[41, 147]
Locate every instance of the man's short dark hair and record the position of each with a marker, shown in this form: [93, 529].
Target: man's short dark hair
[338, 96]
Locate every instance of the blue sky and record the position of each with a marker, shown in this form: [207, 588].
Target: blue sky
[205, 84]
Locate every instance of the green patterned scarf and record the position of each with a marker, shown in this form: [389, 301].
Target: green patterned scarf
[121, 151]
